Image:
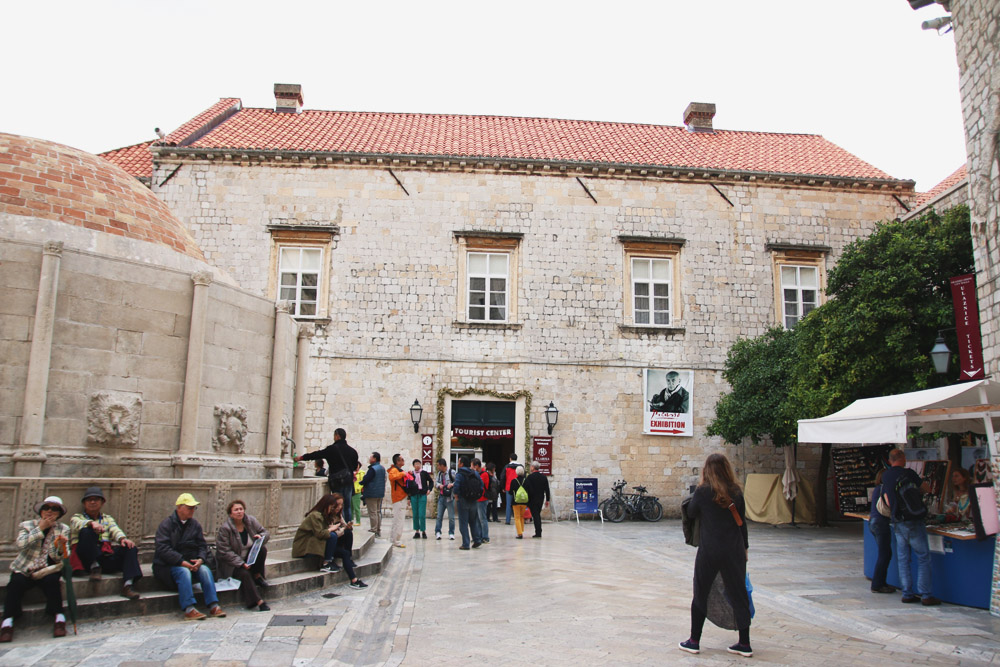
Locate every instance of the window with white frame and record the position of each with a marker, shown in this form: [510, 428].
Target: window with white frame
[299, 273]
[488, 281]
[799, 292]
[651, 291]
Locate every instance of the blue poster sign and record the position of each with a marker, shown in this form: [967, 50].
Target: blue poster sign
[585, 495]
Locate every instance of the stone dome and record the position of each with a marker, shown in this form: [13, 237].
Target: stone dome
[47, 180]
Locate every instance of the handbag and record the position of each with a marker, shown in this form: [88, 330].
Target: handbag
[342, 477]
[46, 571]
[882, 508]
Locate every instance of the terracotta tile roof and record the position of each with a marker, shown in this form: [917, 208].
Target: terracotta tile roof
[136, 159]
[227, 125]
[203, 122]
[956, 177]
[42, 179]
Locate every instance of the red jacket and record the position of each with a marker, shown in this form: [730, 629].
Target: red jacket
[485, 476]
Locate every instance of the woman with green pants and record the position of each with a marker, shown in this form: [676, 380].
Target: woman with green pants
[356, 497]
[419, 484]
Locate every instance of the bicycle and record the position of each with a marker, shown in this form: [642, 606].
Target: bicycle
[620, 504]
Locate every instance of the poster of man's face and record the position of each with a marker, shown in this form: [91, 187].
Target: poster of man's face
[667, 399]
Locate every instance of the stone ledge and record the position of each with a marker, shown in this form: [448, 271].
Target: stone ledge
[651, 330]
[510, 326]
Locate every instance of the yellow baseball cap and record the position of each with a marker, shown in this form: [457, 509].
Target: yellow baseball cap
[186, 499]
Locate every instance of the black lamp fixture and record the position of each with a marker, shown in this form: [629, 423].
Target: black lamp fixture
[415, 412]
[940, 353]
[551, 416]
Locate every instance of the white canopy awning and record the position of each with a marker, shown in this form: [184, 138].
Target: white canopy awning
[972, 406]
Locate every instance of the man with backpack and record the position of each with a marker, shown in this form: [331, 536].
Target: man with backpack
[341, 462]
[397, 493]
[446, 501]
[467, 490]
[373, 491]
[903, 490]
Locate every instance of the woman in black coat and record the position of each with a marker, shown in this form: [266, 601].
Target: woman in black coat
[722, 550]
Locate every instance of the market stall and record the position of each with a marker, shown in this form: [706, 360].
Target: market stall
[961, 562]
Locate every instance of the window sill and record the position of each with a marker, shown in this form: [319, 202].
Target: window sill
[307, 319]
[500, 326]
[651, 330]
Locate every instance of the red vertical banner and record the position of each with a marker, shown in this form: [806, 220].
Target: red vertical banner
[970, 347]
[541, 451]
[427, 449]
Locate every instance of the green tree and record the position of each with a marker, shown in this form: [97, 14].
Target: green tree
[760, 371]
[888, 296]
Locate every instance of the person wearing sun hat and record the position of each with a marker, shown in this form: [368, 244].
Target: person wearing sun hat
[100, 545]
[180, 556]
[39, 563]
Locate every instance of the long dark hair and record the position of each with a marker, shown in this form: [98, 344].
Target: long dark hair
[718, 474]
[325, 505]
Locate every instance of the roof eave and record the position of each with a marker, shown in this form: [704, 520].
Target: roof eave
[544, 166]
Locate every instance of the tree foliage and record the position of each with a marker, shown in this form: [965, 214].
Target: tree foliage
[759, 370]
[887, 298]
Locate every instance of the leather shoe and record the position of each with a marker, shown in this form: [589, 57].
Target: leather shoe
[908, 599]
[930, 601]
[884, 589]
[6, 634]
[95, 573]
[59, 629]
[128, 592]
[216, 612]
[194, 615]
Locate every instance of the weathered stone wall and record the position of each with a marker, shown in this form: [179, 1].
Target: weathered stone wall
[396, 332]
[121, 327]
[140, 505]
[977, 46]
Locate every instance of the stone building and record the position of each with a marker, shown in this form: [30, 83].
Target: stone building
[490, 266]
[128, 360]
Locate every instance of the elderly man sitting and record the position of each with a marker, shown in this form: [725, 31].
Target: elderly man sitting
[180, 556]
[99, 545]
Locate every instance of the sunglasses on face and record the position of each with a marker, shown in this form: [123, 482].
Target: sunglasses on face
[50, 508]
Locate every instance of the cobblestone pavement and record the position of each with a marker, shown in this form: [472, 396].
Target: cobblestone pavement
[582, 595]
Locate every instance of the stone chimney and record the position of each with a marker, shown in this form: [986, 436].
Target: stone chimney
[288, 98]
[697, 117]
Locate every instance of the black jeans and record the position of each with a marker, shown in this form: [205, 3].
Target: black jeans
[882, 532]
[536, 517]
[20, 584]
[121, 559]
[248, 579]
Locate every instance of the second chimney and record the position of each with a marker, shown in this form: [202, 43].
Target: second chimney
[287, 97]
[698, 117]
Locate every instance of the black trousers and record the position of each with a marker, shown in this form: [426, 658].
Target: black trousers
[20, 584]
[882, 532]
[345, 545]
[732, 565]
[121, 559]
[536, 517]
[247, 579]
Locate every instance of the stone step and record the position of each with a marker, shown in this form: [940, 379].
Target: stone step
[279, 563]
[159, 601]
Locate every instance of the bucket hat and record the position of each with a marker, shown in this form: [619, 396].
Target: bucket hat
[93, 492]
[51, 500]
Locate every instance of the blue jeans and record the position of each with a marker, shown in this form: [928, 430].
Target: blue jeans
[484, 525]
[184, 579]
[912, 535]
[468, 519]
[445, 504]
[509, 506]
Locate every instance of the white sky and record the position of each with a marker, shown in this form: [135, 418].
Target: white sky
[99, 75]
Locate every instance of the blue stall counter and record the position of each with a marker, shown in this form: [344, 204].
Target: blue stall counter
[963, 574]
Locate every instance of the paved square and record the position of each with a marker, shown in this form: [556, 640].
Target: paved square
[582, 595]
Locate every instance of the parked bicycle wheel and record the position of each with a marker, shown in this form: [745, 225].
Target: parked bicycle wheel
[615, 511]
[652, 510]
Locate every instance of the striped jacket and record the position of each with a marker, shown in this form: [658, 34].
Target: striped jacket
[30, 540]
[112, 533]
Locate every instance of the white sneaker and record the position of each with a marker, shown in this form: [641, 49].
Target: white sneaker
[438, 535]
[451, 537]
